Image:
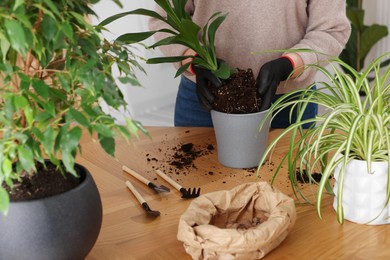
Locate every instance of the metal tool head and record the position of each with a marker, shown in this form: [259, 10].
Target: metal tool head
[149, 212]
[160, 188]
[189, 194]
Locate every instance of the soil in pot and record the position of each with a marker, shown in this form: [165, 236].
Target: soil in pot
[48, 181]
[238, 94]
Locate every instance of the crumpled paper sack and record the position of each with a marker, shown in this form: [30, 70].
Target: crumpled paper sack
[208, 228]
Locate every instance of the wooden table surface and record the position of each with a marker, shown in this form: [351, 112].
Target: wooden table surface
[127, 232]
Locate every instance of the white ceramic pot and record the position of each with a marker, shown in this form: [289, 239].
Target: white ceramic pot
[240, 142]
[364, 194]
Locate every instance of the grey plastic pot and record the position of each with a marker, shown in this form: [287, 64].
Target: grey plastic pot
[240, 142]
[64, 226]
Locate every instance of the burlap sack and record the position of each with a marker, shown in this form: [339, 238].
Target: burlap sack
[208, 228]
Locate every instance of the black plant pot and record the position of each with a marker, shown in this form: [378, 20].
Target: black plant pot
[63, 226]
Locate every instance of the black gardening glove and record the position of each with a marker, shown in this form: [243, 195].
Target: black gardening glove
[270, 75]
[203, 78]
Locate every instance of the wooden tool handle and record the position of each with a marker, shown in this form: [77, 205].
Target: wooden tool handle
[169, 180]
[135, 192]
[136, 175]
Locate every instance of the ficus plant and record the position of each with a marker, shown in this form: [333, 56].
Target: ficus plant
[55, 72]
[352, 126]
[363, 37]
[183, 31]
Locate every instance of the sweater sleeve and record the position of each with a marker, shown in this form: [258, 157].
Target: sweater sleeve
[328, 31]
[156, 24]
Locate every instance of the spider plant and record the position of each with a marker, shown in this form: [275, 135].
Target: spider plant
[181, 30]
[352, 127]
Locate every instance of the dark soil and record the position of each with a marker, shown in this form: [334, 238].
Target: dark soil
[238, 94]
[302, 176]
[46, 182]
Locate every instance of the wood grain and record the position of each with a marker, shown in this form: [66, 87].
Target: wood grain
[128, 233]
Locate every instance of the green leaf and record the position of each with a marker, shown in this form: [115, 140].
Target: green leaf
[79, 117]
[4, 201]
[166, 59]
[26, 158]
[370, 36]
[7, 167]
[223, 72]
[41, 88]
[17, 4]
[49, 139]
[212, 29]
[108, 144]
[104, 130]
[71, 139]
[140, 11]
[68, 160]
[16, 36]
[20, 102]
[29, 113]
[68, 30]
[356, 17]
[134, 37]
[49, 26]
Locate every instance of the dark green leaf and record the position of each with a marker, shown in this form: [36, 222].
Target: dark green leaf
[134, 37]
[140, 11]
[182, 69]
[108, 144]
[212, 29]
[41, 88]
[166, 59]
[370, 36]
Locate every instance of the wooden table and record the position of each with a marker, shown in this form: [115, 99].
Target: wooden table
[127, 233]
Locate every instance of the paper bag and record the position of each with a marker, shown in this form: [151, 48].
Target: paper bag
[246, 222]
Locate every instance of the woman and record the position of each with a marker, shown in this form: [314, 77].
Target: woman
[254, 26]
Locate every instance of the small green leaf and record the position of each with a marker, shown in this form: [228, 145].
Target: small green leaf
[79, 117]
[20, 102]
[4, 201]
[7, 167]
[26, 158]
[68, 160]
[17, 4]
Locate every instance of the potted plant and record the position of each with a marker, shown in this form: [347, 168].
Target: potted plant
[363, 37]
[350, 141]
[55, 70]
[233, 112]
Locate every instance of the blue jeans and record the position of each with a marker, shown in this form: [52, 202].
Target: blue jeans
[189, 112]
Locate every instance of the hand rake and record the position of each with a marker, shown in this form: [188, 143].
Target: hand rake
[186, 193]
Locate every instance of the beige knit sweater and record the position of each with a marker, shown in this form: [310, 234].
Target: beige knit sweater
[261, 25]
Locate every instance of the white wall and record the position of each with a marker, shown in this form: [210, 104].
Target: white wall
[159, 86]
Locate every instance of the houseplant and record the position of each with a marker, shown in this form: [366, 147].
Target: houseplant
[235, 100]
[363, 37]
[353, 128]
[55, 69]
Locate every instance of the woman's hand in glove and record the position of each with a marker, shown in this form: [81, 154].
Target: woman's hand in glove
[269, 78]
